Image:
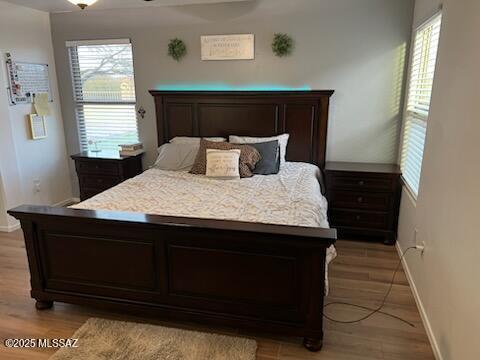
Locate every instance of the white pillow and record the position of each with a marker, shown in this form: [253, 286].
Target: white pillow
[194, 140]
[282, 141]
[223, 164]
[176, 157]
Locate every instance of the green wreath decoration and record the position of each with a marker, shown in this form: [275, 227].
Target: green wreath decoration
[177, 49]
[282, 45]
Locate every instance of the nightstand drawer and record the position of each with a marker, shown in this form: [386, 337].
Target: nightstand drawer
[99, 182]
[361, 182]
[359, 219]
[97, 167]
[360, 200]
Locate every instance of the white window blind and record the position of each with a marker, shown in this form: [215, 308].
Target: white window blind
[104, 93]
[422, 72]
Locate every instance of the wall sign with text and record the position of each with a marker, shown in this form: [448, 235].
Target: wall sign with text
[228, 47]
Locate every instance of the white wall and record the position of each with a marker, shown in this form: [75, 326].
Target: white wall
[446, 278]
[424, 10]
[10, 181]
[4, 220]
[26, 34]
[355, 47]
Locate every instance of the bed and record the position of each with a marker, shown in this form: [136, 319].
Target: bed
[293, 197]
[249, 253]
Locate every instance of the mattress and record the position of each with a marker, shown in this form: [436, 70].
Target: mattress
[292, 197]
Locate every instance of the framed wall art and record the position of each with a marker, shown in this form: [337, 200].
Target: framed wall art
[228, 47]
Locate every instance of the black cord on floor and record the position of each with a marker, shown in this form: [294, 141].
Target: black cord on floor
[372, 310]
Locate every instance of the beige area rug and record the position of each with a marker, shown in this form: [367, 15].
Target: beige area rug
[101, 339]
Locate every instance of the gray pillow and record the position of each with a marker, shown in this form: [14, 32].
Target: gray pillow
[270, 162]
[176, 157]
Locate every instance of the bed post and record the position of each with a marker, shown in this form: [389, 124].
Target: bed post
[31, 246]
[313, 341]
[43, 305]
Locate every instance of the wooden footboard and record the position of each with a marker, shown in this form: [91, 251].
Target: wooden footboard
[257, 276]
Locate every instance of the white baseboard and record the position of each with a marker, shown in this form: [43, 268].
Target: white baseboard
[423, 314]
[66, 202]
[14, 227]
[10, 228]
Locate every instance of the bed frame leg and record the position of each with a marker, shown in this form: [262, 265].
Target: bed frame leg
[43, 305]
[313, 344]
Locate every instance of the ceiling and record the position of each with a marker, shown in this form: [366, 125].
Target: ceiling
[65, 6]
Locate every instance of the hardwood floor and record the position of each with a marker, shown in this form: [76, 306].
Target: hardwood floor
[360, 274]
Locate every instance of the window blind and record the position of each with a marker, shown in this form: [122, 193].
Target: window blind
[422, 72]
[104, 93]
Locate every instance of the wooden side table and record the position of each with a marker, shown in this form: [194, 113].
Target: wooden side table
[364, 199]
[100, 171]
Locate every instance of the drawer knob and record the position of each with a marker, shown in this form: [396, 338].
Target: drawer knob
[360, 199]
[361, 183]
[358, 217]
[97, 167]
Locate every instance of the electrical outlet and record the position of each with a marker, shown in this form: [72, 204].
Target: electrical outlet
[420, 246]
[423, 247]
[36, 185]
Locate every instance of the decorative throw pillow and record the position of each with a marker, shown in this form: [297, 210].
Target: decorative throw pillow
[223, 164]
[270, 162]
[282, 141]
[249, 157]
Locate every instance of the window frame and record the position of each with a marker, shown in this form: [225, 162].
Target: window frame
[416, 30]
[72, 47]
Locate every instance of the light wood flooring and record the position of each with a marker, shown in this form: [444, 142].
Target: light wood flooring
[360, 274]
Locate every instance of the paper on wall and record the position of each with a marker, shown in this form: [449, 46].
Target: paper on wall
[41, 104]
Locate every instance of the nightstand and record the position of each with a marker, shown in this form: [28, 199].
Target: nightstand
[100, 171]
[364, 199]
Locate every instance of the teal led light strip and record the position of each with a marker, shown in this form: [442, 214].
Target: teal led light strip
[226, 87]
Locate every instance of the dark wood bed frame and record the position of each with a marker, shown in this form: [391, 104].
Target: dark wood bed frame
[258, 276]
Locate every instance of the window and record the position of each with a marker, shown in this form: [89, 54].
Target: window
[104, 93]
[420, 86]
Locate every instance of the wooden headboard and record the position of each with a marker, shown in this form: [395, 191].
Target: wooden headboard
[302, 114]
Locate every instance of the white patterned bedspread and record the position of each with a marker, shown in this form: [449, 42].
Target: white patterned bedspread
[292, 197]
